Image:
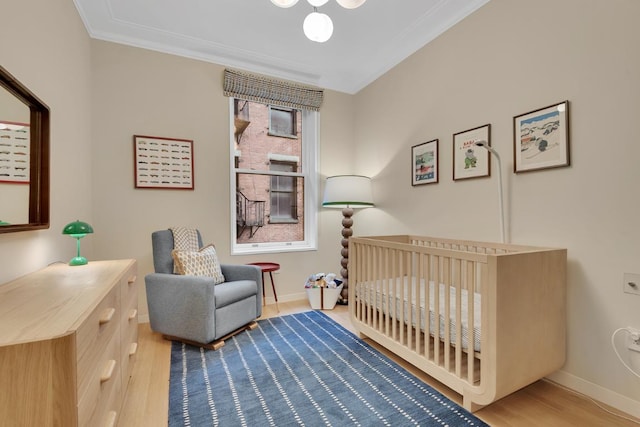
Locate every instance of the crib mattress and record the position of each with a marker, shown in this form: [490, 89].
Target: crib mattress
[378, 297]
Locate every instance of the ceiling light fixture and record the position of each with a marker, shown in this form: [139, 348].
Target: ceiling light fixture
[317, 26]
[284, 3]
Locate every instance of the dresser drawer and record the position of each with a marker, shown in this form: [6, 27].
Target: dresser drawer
[129, 326]
[129, 291]
[129, 347]
[95, 334]
[103, 387]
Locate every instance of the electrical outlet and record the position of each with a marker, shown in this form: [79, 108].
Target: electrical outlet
[633, 339]
[631, 283]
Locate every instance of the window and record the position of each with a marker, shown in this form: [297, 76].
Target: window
[274, 178]
[282, 122]
[284, 206]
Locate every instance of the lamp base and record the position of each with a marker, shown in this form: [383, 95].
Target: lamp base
[79, 260]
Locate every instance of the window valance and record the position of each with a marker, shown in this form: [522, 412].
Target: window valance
[267, 90]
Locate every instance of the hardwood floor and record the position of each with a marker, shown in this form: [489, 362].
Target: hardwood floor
[540, 404]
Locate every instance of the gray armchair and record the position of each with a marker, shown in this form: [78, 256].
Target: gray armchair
[194, 310]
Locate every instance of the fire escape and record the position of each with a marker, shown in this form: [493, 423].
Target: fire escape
[249, 213]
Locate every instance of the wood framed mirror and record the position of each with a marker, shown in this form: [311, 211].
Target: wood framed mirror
[24, 157]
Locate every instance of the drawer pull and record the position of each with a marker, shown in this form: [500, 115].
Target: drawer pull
[133, 349]
[107, 315]
[131, 280]
[107, 372]
[133, 313]
[111, 419]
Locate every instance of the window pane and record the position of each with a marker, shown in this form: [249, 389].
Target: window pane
[264, 215]
[282, 183]
[255, 147]
[282, 122]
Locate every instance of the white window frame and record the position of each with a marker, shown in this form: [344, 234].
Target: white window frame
[310, 145]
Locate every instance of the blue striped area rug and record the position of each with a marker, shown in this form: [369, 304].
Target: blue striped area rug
[301, 369]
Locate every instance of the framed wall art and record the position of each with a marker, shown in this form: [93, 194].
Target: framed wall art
[424, 163]
[163, 162]
[541, 138]
[469, 160]
[15, 154]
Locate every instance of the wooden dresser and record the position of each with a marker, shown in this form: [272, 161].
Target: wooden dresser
[68, 340]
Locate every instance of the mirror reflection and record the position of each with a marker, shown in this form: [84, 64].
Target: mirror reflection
[14, 159]
[24, 157]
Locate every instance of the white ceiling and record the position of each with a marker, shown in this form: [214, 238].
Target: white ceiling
[255, 35]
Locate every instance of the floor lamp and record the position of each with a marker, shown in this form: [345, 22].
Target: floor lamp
[347, 192]
[500, 200]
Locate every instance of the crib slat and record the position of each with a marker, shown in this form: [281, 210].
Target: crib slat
[372, 295]
[471, 289]
[436, 310]
[458, 283]
[420, 284]
[447, 311]
[427, 304]
[387, 290]
[400, 296]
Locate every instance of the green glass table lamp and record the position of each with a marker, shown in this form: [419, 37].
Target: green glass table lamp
[77, 230]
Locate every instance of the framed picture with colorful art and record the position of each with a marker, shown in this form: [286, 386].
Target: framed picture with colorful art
[541, 138]
[424, 163]
[469, 160]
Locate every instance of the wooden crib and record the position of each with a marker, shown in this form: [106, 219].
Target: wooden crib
[505, 306]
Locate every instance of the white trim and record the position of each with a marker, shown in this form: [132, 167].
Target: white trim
[310, 154]
[597, 392]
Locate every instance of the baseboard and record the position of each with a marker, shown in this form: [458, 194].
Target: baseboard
[601, 394]
[285, 298]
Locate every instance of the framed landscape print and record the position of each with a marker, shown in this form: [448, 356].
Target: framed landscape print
[163, 162]
[469, 160]
[541, 138]
[424, 163]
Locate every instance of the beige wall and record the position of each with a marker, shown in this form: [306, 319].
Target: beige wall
[46, 47]
[148, 93]
[508, 58]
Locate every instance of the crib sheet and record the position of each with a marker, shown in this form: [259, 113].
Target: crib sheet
[379, 298]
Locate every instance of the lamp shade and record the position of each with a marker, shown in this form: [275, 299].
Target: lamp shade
[77, 228]
[353, 191]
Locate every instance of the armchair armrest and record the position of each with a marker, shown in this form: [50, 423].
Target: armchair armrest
[182, 306]
[233, 272]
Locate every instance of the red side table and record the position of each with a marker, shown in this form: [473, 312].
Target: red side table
[268, 267]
